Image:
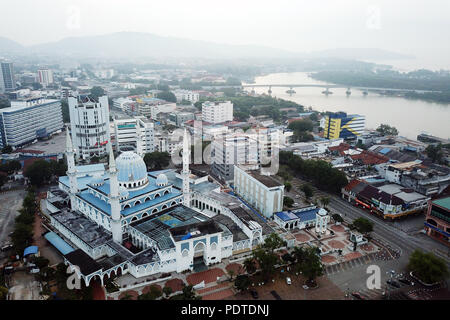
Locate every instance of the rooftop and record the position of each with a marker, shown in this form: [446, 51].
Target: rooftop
[443, 202]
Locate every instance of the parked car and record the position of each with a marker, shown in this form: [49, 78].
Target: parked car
[34, 270]
[393, 283]
[276, 295]
[305, 287]
[7, 247]
[288, 281]
[254, 294]
[358, 295]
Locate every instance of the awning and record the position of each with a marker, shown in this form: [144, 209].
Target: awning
[30, 250]
[58, 243]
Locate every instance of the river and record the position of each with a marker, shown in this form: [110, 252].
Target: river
[410, 117]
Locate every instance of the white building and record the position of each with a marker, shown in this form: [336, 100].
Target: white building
[29, 119]
[89, 125]
[45, 77]
[135, 134]
[230, 150]
[217, 112]
[262, 192]
[186, 95]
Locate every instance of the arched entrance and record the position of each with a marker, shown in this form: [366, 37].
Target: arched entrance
[199, 257]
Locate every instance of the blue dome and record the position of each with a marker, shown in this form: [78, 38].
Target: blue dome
[130, 167]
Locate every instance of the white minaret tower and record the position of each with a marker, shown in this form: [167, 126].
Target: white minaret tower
[186, 173]
[71, 171]
[116, 222]
[139, 147]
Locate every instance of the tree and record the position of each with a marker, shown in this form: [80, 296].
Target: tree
[10, 166]
[288, 201]
[97, 92]
[231, 274]
[325, 201]
[153, 294]
[39, 172]
[311, 265]
[435, 153]
[266, 260]
[363, 225]
[167, 95]
[427, 267]
[250, 265]
[337, 218]
[387, 130]
[188, 294]
[157, 160]
[3, 293]
[242, 282]
[288, 186]
[273, 242]
[36, 86]
[167, 291]
[4, 102]
[306, 188]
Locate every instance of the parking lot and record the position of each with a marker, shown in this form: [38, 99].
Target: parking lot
[56, 144]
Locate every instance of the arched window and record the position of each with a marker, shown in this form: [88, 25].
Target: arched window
[126, 206]
[147, 199]
[164, 207]
[134, 219]
[173, 203]
[154, 211]
[157, 195]
[166, 192]
[137, 202]
[145, 215]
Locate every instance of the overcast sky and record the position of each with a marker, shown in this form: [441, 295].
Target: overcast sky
[416, 27]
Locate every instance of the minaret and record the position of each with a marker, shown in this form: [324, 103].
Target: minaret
[116, 223]
[71, 171]
[139, 147]
[185, 173]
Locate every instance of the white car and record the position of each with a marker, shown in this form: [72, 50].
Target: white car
[288, 281]
[34, 270]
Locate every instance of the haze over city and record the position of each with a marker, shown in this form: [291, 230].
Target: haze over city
[406, 27]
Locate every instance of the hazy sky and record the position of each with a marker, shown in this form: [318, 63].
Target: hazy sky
[419, 27]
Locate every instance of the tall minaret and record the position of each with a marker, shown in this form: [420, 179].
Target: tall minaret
[139, 147]
[116, 223]
[185, 173]
[71, 171]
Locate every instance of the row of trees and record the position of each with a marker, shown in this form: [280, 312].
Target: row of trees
[320, 172]
[41, 171]
[22, 235]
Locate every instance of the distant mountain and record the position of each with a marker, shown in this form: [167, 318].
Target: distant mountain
[146, 45]
[135, 45]
[10, 46]
[371, 54]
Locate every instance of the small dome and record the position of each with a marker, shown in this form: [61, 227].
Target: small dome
[162, 180]
[131, 168]
[123, 192]
[97, 180]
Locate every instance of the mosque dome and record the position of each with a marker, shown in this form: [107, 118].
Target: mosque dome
[162, 180]
[97, 180]
[132, 171]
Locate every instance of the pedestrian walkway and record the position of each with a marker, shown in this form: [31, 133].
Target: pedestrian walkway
[347, 265]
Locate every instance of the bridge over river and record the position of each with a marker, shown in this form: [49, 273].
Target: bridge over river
[330, 86]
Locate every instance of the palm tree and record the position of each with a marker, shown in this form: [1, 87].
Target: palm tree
[250, 266]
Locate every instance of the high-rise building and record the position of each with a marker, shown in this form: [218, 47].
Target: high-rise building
[186, 95]
[29, 119]
[45, 77]
[7, 79]
[230, 150]
[340, 125]
[217, 112]
[135, 134]
[89, 125]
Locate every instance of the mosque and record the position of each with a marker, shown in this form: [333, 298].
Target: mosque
[126, 220]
